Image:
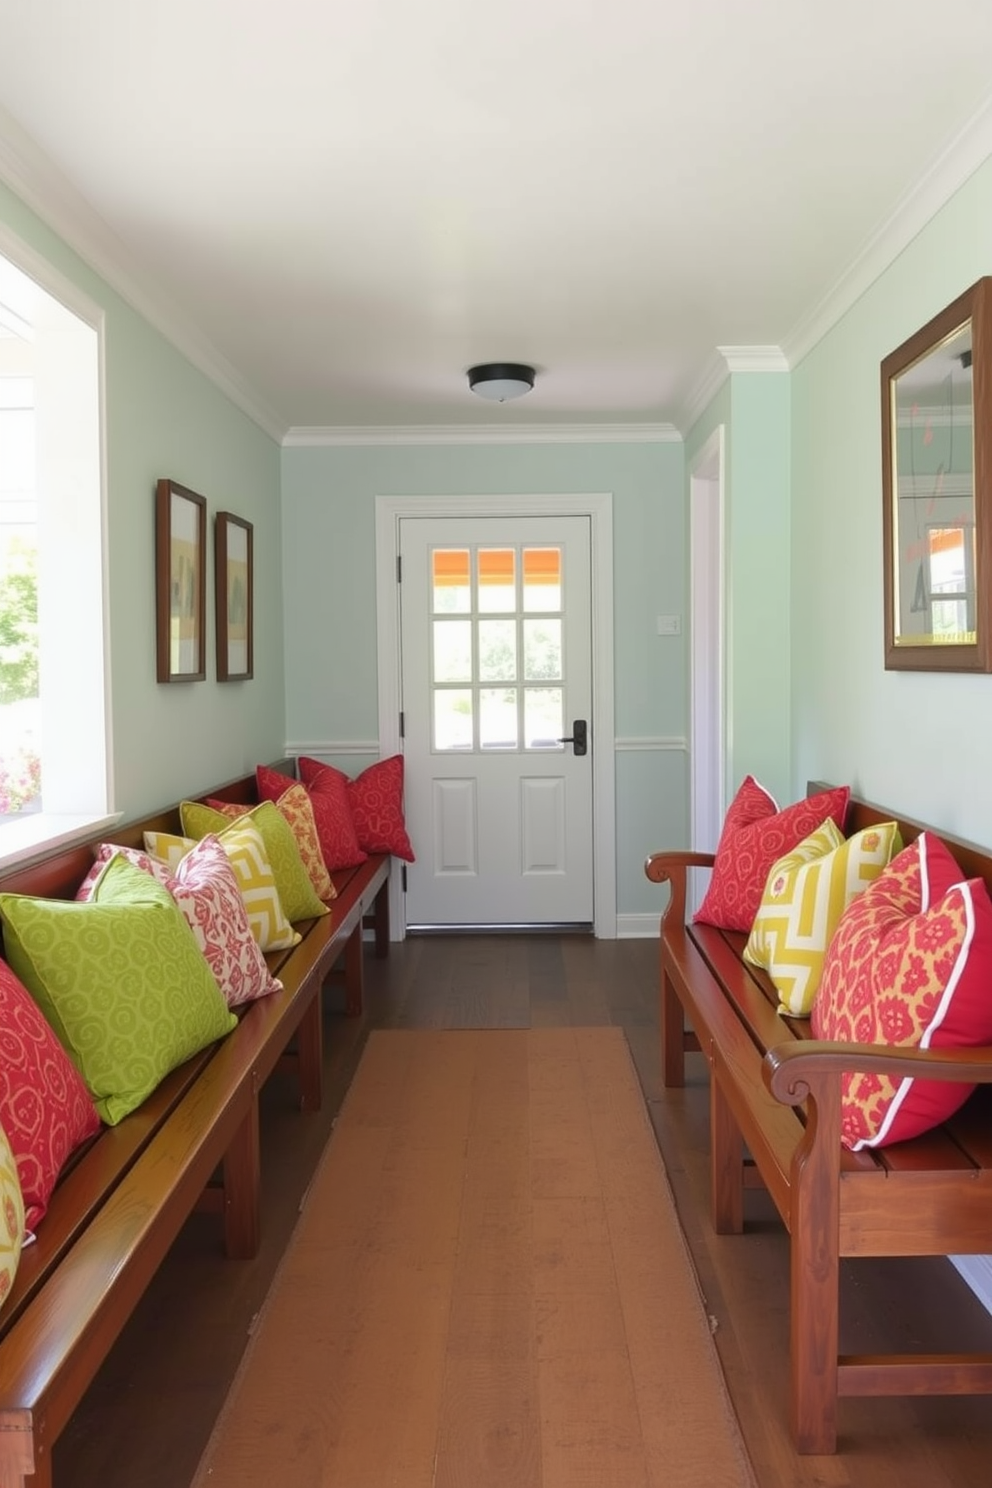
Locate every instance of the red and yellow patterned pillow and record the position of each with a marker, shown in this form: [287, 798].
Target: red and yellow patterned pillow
[293, 803]
[754, 836]
[375, 799]
[910, 964]
[339, 845]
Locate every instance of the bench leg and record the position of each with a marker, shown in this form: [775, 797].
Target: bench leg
[672, 1036]
[726, 1164]
[354, 973]
[242, 1188]
[310, 1055]
[380, 916]
[815, 1265]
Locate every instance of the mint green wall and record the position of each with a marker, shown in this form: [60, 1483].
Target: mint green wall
[164, 418]
[913, 741]
[754, 409]
[329, 542]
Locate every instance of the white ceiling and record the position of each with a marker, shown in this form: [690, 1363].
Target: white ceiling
[340, 207]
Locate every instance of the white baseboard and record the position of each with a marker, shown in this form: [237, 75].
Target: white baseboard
[977, 1272]
[637, 926]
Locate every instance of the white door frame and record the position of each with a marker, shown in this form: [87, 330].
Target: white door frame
[707, 656]
[598, 506]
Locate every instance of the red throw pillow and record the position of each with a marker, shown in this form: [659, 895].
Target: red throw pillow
[331, 811]
[45, 1108]
[910, 964]
[376, 801]
[755, 835]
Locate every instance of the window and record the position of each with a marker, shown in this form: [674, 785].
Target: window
[497, 648]
[53, 713]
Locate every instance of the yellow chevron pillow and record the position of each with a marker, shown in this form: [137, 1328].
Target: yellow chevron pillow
[805, 895]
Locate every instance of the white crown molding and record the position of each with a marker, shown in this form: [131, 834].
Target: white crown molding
[722, 361]
[709, 382]
[39, 183]
[754, 358]
[342, 435]
[966, 152]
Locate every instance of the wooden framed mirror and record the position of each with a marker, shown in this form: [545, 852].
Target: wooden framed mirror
[937, 505]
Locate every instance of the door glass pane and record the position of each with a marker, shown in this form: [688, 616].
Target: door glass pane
[452, 650]
[497, 580]
[542, 718]
[497, 650]
[452, 585]
[498, 717]
[542, 650]
[542, 578]
[453, 719]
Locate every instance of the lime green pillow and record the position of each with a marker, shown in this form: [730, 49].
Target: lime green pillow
[120, 979]
[805, 895]
[296, 891]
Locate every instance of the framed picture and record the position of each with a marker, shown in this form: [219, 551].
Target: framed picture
[234, 586]
[180, 582]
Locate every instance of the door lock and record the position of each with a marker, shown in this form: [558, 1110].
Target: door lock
[578, 738]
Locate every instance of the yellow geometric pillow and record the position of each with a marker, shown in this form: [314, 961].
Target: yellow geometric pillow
[805, 895]
[167, 847]
[246, 853]
[11, 1217]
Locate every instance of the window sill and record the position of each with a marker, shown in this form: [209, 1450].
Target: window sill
[28, 837]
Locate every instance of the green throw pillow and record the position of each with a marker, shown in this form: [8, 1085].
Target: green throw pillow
[120, 979]
[296, 891]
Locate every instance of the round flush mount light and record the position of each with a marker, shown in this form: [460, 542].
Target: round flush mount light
[500, 381]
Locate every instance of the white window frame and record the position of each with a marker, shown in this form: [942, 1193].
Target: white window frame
[77, 758]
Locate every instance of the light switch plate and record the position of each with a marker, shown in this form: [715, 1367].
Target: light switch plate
[669, 625]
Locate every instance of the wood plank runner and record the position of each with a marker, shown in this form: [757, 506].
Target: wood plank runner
[775, 1116]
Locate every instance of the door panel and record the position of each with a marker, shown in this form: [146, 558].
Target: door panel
[496, 664]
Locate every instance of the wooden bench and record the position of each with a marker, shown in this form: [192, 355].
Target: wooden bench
[193, 1144]
[775, 1120]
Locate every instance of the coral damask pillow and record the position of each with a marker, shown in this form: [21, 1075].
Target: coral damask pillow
[755, 835]
[45, 1108]
[806, 894]
[295, 805]
[376, 800]
[910, 965]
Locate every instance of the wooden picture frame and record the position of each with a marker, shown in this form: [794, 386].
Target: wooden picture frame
[234, 586]
[937, 491]
[180, 583]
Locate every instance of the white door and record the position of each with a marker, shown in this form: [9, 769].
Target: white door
[495, 628]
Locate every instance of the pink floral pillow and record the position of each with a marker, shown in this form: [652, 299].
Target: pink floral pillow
[910, 964]
[205, 887]
[754, 836]
[375, 798]
[45, 1108]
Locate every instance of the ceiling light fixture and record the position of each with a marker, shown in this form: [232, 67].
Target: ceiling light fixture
[500, 381]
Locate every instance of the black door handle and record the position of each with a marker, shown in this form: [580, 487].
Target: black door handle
[578, 738]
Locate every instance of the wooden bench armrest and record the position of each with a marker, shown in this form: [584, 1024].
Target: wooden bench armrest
[671, 868]
[793, 1071]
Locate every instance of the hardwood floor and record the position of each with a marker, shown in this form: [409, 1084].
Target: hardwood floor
[147, 1418]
